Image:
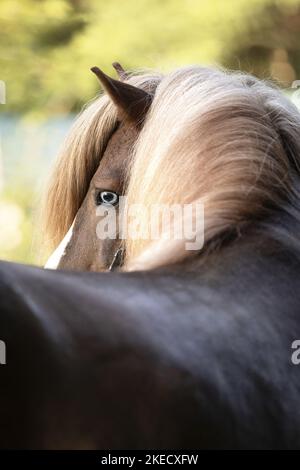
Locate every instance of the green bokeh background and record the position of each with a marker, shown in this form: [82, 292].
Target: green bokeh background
[48, 46]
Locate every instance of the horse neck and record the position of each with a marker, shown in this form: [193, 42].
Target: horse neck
[276, 235]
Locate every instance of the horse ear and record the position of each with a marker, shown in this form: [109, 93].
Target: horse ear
[132, 102]
[122, 74]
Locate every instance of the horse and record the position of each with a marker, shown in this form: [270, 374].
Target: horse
[91, 169]
[236, 117]
[181, 357]
[176, 348]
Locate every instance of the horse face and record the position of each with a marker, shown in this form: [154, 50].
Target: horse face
[83, 248]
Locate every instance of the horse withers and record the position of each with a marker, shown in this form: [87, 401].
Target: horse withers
[179, 357]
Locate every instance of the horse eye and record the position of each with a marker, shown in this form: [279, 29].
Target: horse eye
[108, 198]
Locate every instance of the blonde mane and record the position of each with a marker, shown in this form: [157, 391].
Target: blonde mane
[78, 161]
[225, 139]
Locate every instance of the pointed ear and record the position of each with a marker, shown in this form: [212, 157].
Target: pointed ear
[132, 102]
[122, 74]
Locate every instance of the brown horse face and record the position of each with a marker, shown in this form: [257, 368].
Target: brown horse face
[83, 248]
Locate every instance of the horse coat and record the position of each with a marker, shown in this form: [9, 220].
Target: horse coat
[189, 356]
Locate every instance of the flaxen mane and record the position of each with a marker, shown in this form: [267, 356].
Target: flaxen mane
[78, 161]
[227, 140]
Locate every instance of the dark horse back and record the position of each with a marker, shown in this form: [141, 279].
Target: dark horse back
[193, 356]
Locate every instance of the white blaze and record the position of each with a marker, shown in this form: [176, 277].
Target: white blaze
[60, 251]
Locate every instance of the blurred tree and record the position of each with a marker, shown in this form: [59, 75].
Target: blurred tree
[29, 31]
[270, 47]
[47, 46]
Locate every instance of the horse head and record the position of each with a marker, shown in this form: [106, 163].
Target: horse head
[226, 140]
[81, 248]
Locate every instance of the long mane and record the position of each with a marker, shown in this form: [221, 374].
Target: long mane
[225, 139]
[78, 161]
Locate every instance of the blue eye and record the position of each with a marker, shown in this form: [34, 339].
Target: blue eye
[108, 198]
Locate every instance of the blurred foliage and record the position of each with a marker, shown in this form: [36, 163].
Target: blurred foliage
[48, 46]
[17, 225]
